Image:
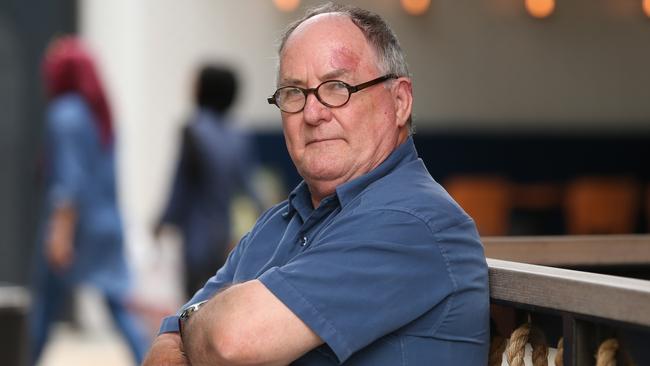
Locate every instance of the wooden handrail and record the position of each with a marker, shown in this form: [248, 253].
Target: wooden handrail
[589, 294]
[587, 250]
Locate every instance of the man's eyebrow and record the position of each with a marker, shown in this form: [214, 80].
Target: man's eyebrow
[289, 82]
[334, 74]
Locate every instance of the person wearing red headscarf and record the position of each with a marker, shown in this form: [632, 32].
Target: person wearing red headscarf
[81, 239]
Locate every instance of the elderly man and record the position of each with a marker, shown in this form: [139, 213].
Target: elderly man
[369, 261]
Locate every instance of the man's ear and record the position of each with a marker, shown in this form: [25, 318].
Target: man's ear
[403, 96]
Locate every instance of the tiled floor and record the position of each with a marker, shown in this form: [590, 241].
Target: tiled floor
[70, 347]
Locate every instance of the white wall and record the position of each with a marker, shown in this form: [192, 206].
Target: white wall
[476, 64]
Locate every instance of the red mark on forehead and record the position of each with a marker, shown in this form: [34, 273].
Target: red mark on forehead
[344, 58]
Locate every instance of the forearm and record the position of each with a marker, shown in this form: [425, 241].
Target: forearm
[205, 344]
[60, 236]
[246, 325]
[62, 223]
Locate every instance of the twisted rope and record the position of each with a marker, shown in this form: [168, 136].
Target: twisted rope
[516, 348]
[559, 356]
[606, 355]
[537, 340]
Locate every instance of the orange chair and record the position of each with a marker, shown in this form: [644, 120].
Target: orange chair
[486, 199]
[601, 205]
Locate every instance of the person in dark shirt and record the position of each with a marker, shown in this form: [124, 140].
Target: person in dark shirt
[216, 162]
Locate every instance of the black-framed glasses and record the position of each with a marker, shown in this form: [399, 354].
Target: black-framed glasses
[332, 93]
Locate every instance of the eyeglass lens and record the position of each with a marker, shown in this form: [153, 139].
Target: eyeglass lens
[332, 93]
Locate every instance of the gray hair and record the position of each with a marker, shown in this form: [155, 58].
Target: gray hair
[374, 28]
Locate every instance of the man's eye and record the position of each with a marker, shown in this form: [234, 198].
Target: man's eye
[336, 85]
[290, 93]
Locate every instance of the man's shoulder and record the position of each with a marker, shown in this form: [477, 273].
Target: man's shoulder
[411, 188]
[277, 210]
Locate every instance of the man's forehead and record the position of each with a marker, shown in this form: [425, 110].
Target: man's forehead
[333, 32]
[344, 57]
[339, 62]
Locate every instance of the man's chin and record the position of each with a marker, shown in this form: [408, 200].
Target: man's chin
[326, 172]
[322, 176]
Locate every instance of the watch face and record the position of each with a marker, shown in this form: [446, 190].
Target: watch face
[191, 309]
[187, 313]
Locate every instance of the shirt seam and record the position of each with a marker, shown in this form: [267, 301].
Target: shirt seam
[451, 297]
[443, 253]
[403, 349]
[264, 220]
[436, 239]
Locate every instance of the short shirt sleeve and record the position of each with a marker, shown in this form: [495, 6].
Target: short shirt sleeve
[365, 276]
[66, 139]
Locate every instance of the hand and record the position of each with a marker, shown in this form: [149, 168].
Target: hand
[60, 237]
[166, 350]
[59, 252]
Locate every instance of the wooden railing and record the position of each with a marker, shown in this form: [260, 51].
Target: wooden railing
[581, 308]
[586, 309]
[574, 251]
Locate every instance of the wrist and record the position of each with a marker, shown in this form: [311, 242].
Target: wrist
[186, 314]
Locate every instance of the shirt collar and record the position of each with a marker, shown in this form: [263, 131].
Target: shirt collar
[300, 197]
[300, 201]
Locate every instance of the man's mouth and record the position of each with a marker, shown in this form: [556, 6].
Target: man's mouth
[321, 140]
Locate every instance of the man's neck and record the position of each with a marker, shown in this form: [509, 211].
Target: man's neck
[319, 191]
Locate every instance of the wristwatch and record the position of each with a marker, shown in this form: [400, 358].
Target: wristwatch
[187, 313]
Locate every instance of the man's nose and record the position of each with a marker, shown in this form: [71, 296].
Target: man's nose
[315, 112]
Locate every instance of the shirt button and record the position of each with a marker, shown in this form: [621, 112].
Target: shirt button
[303, 241]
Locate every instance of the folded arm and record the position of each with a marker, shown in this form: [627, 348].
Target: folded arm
[246, 325]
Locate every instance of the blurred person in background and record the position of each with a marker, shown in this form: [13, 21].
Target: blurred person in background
[216, 162]
[81, 236]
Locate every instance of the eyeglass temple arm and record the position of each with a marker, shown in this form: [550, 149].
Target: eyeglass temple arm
[356, 88]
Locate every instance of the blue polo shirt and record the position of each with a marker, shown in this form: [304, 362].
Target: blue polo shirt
[389, 270]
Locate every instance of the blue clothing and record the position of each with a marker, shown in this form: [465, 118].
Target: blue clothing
[215, 163]
[387, 271]
[47, 304]
[81, 172]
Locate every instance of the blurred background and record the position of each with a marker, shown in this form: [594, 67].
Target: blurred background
[525, 110]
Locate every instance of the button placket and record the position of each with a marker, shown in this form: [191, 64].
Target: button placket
[313, 220]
